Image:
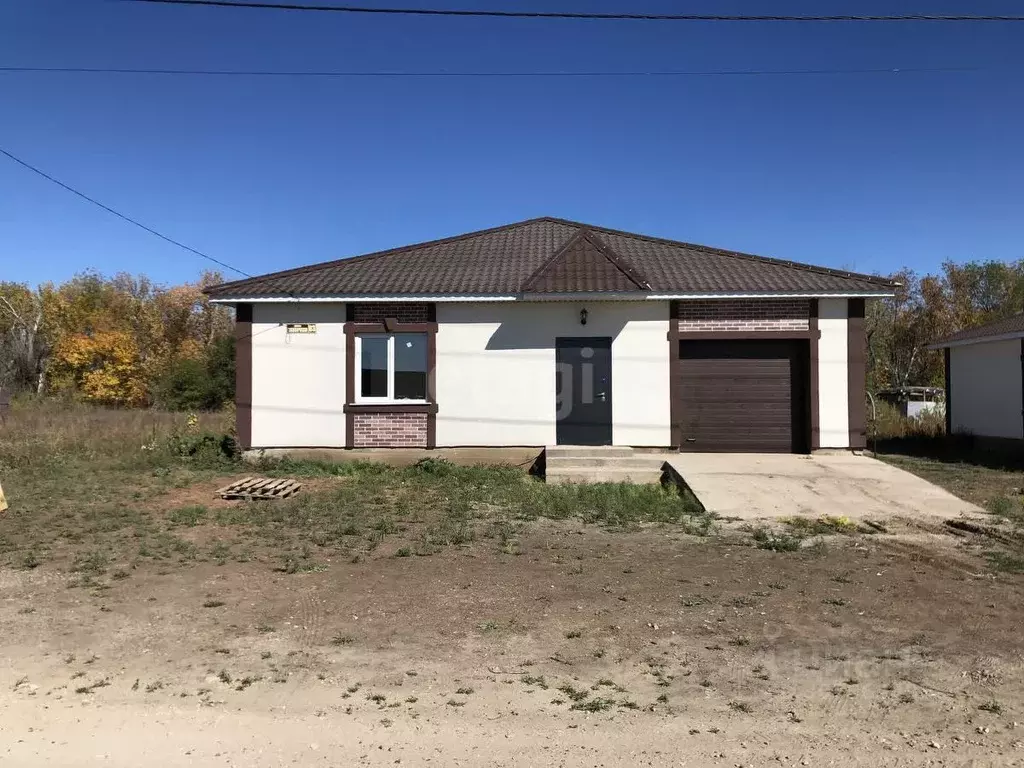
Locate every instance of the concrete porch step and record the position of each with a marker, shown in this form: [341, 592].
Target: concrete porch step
[570, 474]
[637, 461]
[587, 451]
[600, 464]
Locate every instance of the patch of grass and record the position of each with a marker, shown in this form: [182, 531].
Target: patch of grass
[1006, 562]
[740, 706]
[537, 680]
[765, 538]
[224, 676]
[823, 525]
[740, 641]
[455, 703]
[464, 691]
[905, 698]
[92, 686]
[573, 634]
[189, 516]
[376, 698]
[342, 640]
[593, 705]
[214, 604]
[836, 601]
[403, 552]
[573, 693]
[992, 706]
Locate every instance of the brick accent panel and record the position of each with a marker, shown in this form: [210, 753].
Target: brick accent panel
[744, 315]
[389, 430]
[373, 312]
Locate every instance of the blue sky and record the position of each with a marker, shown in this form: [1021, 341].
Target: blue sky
[854, 171]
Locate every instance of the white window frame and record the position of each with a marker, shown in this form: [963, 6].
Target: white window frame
[358, 373]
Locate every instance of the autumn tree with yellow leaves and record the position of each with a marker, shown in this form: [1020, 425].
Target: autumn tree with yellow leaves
[116, 341]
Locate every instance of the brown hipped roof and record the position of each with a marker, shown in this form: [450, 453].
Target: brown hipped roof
[1008, 326]
[551, 256]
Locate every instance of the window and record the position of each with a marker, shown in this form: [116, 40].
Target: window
[392, 367]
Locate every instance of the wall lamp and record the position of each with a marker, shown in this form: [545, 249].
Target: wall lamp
[583, 316]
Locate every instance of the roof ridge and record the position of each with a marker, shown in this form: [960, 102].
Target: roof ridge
[624, 265]
[621, 263]
[387, 252]
[726, 252]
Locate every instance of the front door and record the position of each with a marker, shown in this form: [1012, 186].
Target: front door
[583, 391]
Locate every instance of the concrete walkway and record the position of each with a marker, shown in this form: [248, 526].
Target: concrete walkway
[753, 486]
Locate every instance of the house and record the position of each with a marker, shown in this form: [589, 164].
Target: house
[985, 380]
[549, 331]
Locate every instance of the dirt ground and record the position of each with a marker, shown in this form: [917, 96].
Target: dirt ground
[584, 646]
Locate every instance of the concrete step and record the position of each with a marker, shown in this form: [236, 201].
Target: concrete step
[613, 462]
[561, 475]
[587, 451]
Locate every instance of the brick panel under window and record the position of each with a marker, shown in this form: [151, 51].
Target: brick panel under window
[389, 430]
[744, 315]
[373, 312]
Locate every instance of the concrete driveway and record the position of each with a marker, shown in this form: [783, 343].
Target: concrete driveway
[752, 486]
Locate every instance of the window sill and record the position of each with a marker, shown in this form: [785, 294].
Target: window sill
[396, 407]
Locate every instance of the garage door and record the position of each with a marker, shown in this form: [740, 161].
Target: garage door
[742, 395]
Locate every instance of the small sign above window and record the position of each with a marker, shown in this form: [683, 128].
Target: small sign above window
[301, 327]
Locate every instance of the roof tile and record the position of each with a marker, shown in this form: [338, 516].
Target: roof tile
[500, 261]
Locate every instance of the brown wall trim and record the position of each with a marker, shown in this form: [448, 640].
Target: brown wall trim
[676, 434]
[350, 381]
[949, 389]
[390, 408]
[432, 379]
[856, 373]
[243, 374]
[675, 334]
[815, 335]
[391, 326]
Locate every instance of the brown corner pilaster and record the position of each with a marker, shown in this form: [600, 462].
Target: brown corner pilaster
[856, 372]
[431, 376]
[815, 337]
[676, 434]
[243, 375]
[350, 380]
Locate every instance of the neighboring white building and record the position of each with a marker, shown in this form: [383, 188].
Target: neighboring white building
[552, 332]
[985, 380]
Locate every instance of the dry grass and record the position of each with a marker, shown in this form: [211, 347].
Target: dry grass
[99, 490]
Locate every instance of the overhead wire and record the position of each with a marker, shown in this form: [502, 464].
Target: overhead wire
[485, 74]
[124, 217]
[585, 15]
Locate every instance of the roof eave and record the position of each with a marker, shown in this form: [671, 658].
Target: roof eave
[948, 343]
[635, 295]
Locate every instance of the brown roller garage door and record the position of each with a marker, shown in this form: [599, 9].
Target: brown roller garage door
[748, 395]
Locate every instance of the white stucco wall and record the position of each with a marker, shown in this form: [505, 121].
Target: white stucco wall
[833, 382]
[298, 380]
[986, 388]
[495, 379]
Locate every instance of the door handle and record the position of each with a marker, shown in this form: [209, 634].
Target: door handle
[600, 396]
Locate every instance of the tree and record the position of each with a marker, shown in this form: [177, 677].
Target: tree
[24, 346]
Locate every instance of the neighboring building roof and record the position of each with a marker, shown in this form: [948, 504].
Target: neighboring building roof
[1009, 328]
[546, 256]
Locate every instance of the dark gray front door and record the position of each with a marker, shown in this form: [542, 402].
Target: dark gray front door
[583, 391]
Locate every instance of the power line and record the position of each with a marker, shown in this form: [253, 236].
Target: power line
[583, 15]
[119, 215]
[484, 74]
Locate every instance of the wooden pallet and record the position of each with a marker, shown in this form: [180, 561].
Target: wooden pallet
[251, 488]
